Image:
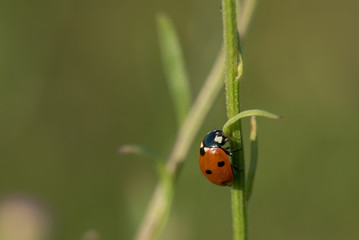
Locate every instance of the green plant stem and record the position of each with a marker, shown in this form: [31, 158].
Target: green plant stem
[233, 71]
[160, 204]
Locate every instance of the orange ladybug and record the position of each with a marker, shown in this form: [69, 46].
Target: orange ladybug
[213, 159]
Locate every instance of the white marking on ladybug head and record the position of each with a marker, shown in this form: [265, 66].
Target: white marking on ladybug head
[218, 139]
[205, 149]
[201, 145]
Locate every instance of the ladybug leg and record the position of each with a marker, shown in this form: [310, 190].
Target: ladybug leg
[236, 150]
[230, 153]
[227, 152]
[235, 169]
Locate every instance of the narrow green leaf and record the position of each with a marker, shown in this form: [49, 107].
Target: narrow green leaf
[254, 157]
[248, 113]
[174, 67]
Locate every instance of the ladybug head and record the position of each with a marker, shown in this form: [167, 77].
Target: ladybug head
[215, 138]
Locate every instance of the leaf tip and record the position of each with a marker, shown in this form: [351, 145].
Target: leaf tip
[161, 17]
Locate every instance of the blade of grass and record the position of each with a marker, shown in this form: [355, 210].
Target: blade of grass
[174, 67]
[248, 113]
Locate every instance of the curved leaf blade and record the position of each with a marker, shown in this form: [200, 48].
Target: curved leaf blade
[249, 113]
[174, 67]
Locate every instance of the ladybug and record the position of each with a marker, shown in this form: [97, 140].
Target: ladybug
[213, 159]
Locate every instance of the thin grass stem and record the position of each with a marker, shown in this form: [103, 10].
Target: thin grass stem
[233, 71]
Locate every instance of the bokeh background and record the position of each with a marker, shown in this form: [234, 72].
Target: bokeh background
[80, 78]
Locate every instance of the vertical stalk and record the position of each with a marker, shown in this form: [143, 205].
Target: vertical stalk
[233, 71]
[156, 216]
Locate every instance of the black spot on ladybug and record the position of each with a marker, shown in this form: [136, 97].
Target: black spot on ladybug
[221, 164]
[208, 171]
[201, 151]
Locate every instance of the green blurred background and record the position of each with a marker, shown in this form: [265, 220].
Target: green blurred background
[80, 78]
